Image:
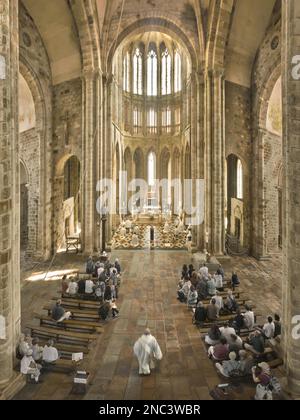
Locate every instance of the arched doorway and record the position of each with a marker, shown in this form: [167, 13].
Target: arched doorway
[235, 198]
[71, 221]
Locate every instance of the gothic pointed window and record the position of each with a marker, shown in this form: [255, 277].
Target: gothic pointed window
[166, 120]
[177, 73]
[166, 73]
[126, 73]
[137, 120]
[152, 73]
[151, 169]
[137, 72]
[239, 180]
[152, 121]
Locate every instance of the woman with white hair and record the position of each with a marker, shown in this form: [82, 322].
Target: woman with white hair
[147, 350]
[30, 367]
[229, 367]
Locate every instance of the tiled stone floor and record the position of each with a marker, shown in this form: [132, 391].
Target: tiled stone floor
[148, 298]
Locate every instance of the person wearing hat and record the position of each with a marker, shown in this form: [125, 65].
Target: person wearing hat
[262, 377]
[146, 350]
[228, 367]
[30, 367]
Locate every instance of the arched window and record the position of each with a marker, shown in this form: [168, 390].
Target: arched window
[239, 178]
[166, 73]
[166, 120]
[151, 169]
[126, 72]
[152, 120]
[152, 74]
[138, 72]
[177, 73]
[137, 120]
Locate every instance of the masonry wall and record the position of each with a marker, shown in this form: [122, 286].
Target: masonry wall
[267, 147]
[36, 145]
[67, 142]
[238, 141]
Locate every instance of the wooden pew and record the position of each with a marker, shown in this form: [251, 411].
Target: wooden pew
[66, 350]
[71, 324]
[89, 315]
[79, 304]
[62, 336]
[65, 366]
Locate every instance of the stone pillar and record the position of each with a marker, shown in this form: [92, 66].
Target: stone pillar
[98, 156]
[88, 196]
[9, 189]
[259, 242]
[291, 157]
[215, 163]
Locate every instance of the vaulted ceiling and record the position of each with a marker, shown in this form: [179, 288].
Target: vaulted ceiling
[248, 25]
[56, 26]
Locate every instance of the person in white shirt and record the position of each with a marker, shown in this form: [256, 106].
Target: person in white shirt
[50, 353]
[219, 300]
[219, 281]
[204, 271]
[30, 367]
[37, 350]
[89, 287]
[73, 287]
[269, 328]
[24, 346]
[227, 331]
[249, 318]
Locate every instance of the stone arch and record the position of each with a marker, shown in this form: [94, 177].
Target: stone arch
[139, 164]
[85, 16]
[37, 142]
[160, 25]
[66, 209]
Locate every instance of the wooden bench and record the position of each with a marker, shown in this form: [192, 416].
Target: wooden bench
[90, 315]
[71, 324]
[79, 304]
[205, 326]
[61, 366]
[59, 335]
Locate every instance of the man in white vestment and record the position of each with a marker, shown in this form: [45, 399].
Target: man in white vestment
[146, 350]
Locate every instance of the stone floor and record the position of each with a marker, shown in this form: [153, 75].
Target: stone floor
[148, 298]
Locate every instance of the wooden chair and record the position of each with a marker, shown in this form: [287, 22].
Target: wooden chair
[73, 243]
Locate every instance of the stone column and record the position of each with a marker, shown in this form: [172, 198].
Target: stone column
[9, 189]
[88, 196]
[259, 243]
[98, 156]
[291, 157]
[215, 164]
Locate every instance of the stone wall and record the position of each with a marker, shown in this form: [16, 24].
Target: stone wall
[238, 141]
[35, 68]
[29, 150]
[267, 149]
[67, 142]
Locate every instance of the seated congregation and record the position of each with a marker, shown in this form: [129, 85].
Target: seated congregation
[73, 321]
[235, 343]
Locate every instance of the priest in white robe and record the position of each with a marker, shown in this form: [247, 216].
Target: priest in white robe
[147, 350]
